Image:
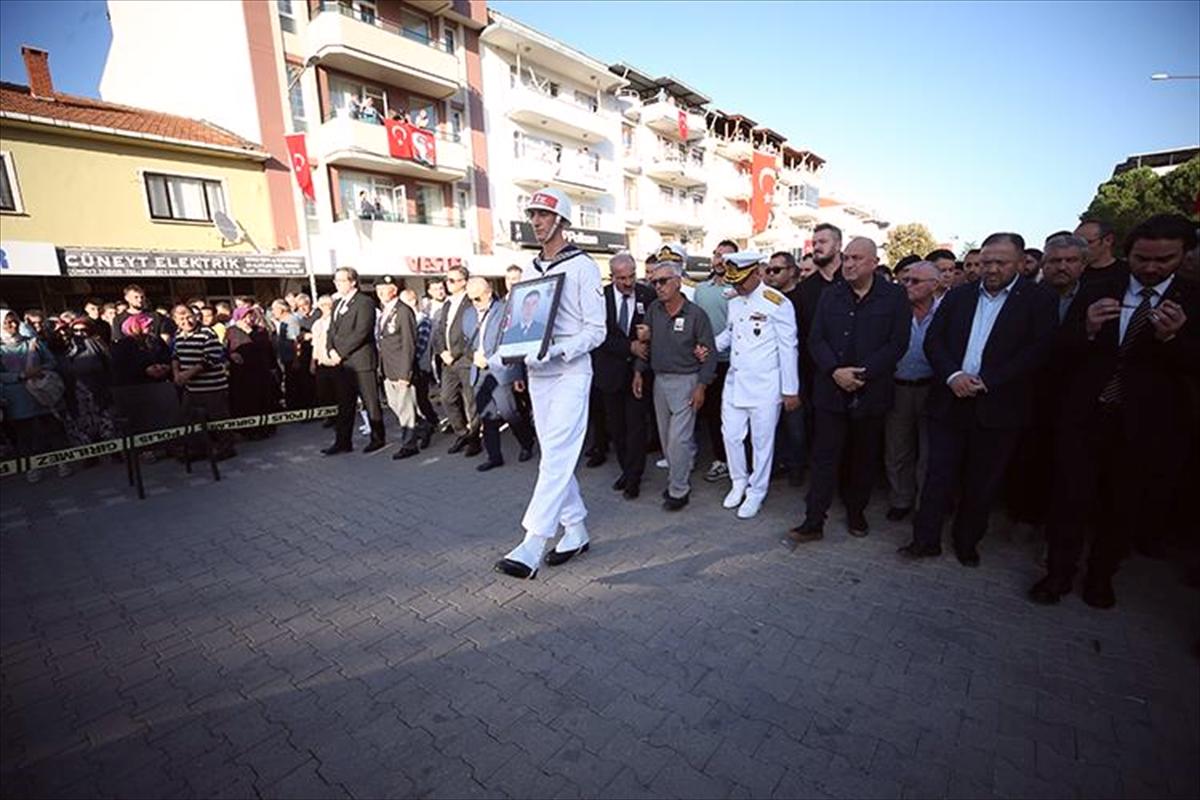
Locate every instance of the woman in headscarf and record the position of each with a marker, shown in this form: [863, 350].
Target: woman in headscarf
[29, 425]
[253, 372]
[88, 370]
[143, 392]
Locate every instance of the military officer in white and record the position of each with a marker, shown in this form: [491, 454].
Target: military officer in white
[559, 386]
[763, 372]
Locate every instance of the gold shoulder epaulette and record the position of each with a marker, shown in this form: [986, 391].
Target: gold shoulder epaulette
[686, 281]
[773, 296]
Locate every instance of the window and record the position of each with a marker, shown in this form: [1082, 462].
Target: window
[431, 204]
[448, 39]
[181, 198]
[697, 155]
[10, 196]
[371, 197]
[627, 139]
[296, 98]
[365, 10]
[666, 194]
[587, 100]
[423, 113]
[349, 97]
[462, 201]
[697, 204]
[589, 216]
[812, 195]
[414, 26]
[287, 19]
[631, 198]
[456, 124]
[310, 216]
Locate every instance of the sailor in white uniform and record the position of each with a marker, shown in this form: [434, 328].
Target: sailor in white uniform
[763, 373]
[559, 386]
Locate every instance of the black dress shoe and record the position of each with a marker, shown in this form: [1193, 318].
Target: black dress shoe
[373, 446]
[555, 558]
[515, 569]
[1098, 592]
[525, 454]
[426, 437]
[676, 503]
[405, 452]
[1049, 590]
[485, 466]
[619, 484]
[968, 558]
[473, 448]
[632, 490]
[896, 514]
[808, 531]
[913, 551]
[458, 445]
[857, 524]
[596, 459]
[333, 450]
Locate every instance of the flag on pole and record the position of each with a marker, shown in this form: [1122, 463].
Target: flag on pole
[298, 151]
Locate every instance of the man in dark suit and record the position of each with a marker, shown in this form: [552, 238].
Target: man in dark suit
[859, 331]
[451, 341]
[351, 348]
[625, 416]
[1130, 409]
[985, 345]
[493, 380]
[396, 333]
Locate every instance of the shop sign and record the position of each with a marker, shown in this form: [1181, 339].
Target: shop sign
[587, 239]
[94, 262]
[28, 258]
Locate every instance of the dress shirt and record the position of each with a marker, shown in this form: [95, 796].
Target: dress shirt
[344, 303]
[629, 303]
[914, 366]
[986, 311]
[451, 309]
[1065, 300]
[320, 341]
[1133, 299]
[382, 314]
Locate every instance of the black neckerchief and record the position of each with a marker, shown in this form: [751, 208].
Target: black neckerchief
[568, 251]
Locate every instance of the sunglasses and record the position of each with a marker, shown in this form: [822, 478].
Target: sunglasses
[777, 270]
[656, 282]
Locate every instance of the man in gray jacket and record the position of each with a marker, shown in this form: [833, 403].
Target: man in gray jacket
[493, 380]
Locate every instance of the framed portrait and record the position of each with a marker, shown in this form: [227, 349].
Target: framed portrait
[529, 316]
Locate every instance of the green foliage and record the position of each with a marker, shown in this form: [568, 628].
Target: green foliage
[1131, 197]
[911, 238]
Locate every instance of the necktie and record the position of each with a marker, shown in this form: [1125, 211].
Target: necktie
[623, 316]
[1113, 391]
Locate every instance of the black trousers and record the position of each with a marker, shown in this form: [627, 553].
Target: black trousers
[967, 460]
[597, 427]
[847, 446]
[626, 417]
[351, 385]
[327, 381]
[497, 405]
[458, 398]
[1117, 485]
[1027, 484]
[710, 412]
[421, 382]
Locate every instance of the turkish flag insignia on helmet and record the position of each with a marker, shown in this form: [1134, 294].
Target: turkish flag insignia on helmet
[547, 200]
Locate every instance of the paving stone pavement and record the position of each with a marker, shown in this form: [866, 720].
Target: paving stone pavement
[313, 627]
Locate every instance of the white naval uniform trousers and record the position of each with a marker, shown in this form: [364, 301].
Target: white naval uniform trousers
[560, 389]
[763, 366]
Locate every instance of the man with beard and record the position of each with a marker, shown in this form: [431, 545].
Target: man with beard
[559, 385]
[711, 296]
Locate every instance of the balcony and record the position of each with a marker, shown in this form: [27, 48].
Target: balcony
[735, 187]
[581, 179]
[673, 217]
[676, 170]
[663, 117]
[559, 115]
[801, 212]
[373, 48]
[345, 142]
[380, 247]
[735, 149]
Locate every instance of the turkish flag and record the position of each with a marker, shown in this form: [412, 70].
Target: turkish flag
[763, 174]
[399, 138]
[424, 146]
[682, 121]
[298, 151]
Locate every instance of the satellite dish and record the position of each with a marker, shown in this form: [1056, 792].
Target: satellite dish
[229, 229]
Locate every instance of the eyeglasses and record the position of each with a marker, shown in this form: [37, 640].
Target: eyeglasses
[656, 282]
[456, 280]
[777, 270]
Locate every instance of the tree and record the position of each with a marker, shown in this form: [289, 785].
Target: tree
[1130, 197]
[911, 238]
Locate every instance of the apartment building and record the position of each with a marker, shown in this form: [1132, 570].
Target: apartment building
[95, 194]
[552, 120]
[343, 74]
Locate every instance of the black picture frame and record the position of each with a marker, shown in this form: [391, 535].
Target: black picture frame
[516, 341]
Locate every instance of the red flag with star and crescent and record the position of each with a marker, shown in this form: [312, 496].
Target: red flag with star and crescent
[763, 174]
[683, 128]
[298, 151]
[399, 134]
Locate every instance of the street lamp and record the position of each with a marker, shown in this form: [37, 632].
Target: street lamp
[1164, 76]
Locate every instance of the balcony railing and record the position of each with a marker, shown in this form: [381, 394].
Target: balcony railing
[350, 114]
[375, 21]
[447, 220]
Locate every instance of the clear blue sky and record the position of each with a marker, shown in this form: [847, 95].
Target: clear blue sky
[970, 117]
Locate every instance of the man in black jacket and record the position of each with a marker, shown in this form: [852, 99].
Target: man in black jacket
[859, 331]
[985, 345]
[1130, 409]
[351, 348]
[625, 302]
[452, 335]
[396, 333]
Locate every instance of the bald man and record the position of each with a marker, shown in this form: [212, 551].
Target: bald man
[905, 434]
[859, 332]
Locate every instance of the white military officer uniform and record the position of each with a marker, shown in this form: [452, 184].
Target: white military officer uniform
[763, 367]
[559, 388]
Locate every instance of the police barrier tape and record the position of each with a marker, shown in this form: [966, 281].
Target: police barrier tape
[14, 466]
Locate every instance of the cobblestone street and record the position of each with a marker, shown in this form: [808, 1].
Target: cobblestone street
[332, 627]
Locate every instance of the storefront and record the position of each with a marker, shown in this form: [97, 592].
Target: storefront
[600, 245]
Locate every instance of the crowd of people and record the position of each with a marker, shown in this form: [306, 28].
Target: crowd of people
[1059, 383]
